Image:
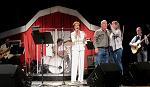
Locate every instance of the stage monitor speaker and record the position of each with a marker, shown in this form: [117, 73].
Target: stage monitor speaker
[105, 75]
[140, 73]
[11, 76]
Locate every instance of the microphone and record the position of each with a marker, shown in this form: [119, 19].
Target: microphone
[60, 67]
[109, 24]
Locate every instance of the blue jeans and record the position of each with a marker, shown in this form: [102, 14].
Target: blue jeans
[117, 56]
[142, 56]
[102, 56]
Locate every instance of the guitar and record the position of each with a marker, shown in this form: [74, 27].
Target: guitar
[137, 45]
[4, 53]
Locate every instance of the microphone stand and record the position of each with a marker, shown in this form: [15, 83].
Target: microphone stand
[63, 83]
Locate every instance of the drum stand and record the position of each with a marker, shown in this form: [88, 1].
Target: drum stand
[63, 83]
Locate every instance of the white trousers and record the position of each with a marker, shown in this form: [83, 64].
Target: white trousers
[77, 65]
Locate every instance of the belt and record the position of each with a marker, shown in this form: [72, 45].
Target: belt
[104, 47]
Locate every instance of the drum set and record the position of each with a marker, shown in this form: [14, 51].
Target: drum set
[54, 64]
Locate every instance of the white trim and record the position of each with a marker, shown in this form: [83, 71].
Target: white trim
[12, 32]
[46, 12]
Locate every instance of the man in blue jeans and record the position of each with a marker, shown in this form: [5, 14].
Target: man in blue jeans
[140, 40]
[101, 43]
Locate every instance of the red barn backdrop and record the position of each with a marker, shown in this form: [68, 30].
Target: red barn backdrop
[48, 19]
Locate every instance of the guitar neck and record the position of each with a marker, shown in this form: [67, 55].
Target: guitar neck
[145, 38]
[4, 51]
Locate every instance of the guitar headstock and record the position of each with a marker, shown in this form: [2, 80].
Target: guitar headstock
[147, 35]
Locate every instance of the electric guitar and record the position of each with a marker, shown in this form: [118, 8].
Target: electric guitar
[136, 46]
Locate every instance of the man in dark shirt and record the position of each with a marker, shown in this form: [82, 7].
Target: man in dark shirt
[101, 43]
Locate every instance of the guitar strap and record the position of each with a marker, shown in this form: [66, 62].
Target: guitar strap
[143, 45]
[137, 38]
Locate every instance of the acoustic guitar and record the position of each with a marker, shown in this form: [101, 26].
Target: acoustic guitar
[136, 46]
[4, 53]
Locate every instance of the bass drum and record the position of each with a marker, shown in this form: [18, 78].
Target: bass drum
[56, 65]
[46, 60]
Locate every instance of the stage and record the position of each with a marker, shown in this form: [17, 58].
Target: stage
[58, 84]
[101, 75]
[67, 84]
[55, 80]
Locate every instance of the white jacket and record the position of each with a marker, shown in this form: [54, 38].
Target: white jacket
[78, 42]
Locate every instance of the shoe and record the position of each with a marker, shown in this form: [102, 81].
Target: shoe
[73, 83]
[81, 82]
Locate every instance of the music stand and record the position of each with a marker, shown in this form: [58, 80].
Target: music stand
[42, 38]
[90, 46]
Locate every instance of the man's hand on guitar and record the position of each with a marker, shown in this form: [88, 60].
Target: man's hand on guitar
[146, 39]
[134, 45]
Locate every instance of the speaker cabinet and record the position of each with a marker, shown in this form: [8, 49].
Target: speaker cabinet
[11, 76]
[105, 75]
[140, 73]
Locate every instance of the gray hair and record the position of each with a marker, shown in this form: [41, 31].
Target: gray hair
[103, 21]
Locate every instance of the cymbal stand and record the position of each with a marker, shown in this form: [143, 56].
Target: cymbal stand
[42, 68]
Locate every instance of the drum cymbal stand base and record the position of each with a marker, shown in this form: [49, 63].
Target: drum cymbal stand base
[63, 82]
[42, 85]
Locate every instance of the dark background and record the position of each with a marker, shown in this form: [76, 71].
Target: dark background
[15, 13]
[130, 15]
